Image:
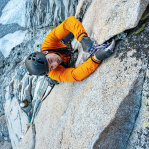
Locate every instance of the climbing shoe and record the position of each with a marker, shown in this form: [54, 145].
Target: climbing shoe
[87, 44]
[104, 53]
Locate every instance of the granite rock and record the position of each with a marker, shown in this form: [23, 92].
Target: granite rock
[108, 109]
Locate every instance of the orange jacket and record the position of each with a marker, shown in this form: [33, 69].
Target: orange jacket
[53, 41]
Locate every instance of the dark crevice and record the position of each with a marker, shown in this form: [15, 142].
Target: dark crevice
[2, 5]
[117, 133]
[10, 28]
[69, 5]
[34, 135]
[62, 11]
[136, 117]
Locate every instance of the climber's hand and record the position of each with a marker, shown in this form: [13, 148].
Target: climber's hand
[87, 44]
[104, 53]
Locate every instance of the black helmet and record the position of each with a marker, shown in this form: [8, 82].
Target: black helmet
[37, 64]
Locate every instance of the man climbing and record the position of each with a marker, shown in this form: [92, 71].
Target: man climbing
[54, 58]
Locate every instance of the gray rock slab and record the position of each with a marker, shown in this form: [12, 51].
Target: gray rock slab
[16, 121]
[2, 58]
[100, 111]
[139, 138]
[4, 135]
[104, 19]
[29, 139]
[13, 12]
[48, 13]
[9, 28]
[3, 4]
[5, 145]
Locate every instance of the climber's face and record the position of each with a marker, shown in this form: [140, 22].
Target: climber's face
[53, 60]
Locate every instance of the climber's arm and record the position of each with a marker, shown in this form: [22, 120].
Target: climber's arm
[73, 25]
[53, 39]
[74, 74]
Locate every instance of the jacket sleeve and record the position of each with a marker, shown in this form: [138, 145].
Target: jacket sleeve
[53, 39]
[74, 74]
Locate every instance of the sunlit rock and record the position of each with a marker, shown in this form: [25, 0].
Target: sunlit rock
[105, 110]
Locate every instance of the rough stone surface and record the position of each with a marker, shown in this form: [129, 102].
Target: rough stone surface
[3, 130]
[13, 11]
[140, 135]
[5, 145]
[104, 19]
[107, 110]
[18, 118]
[28, 139]
[9, 28]
[3, 4]
[42, 13]
[101, 113]
[1, 62]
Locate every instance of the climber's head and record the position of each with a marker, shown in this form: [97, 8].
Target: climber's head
[36, 63]
[53, 59]
[39, 63]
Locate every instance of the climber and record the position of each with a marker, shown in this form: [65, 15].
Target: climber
[54, 58]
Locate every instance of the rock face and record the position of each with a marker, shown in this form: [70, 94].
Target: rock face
[102, 113]
[139, 137]
[4, 131]
[4, 135]
[107, 110]
[1, 62]
[104, 19]
[42, 13]
[15, 85]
